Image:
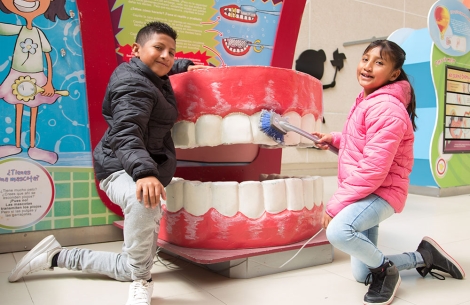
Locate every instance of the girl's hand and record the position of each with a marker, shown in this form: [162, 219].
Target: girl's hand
[48, 90]
[150, 190]
[325, 220]
[323, 139]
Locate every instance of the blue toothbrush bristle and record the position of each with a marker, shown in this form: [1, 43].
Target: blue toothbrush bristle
[266, 127]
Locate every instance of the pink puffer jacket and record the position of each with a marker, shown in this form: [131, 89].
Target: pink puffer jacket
[375, 149]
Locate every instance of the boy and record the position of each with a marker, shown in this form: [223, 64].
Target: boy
[134, 161]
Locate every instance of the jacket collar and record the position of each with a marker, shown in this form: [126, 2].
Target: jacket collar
[399, 89]
[160, 82]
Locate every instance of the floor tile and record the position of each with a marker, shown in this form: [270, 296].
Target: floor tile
[7, 262]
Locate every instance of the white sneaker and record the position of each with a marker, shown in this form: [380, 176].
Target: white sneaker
[140, 293]
[37, 259]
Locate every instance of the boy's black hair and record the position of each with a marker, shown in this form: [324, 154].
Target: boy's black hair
[56, 8]
[154, 27]
[397, 55]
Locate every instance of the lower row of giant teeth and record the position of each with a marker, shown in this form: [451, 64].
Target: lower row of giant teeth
[251, 198]
[238, 128]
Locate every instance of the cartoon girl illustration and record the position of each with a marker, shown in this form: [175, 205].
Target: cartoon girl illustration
[26, 83]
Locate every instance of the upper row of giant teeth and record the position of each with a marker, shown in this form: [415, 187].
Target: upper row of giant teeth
[251, 198]
[238, 128]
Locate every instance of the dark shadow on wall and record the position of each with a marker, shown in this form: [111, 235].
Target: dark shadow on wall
[312, 63]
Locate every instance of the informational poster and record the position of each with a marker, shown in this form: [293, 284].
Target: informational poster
[217, 33]
[43, 105]
[449, 28]
[457, 110]
[26, 193]
[46, 174]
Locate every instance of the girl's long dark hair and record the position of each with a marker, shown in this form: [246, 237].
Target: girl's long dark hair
[56, 8]
[397, 55]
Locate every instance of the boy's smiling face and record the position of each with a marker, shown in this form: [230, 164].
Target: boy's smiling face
[158, 53]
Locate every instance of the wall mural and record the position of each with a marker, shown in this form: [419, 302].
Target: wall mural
[46, 175]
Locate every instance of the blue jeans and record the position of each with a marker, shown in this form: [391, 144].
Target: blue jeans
[355, 231]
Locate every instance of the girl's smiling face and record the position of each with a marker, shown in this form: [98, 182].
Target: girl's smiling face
[29, 9]
[374, 71]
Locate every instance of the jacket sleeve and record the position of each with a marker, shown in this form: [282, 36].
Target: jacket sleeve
[336, 139]
[131, 106]
[180, 66]
[385, 124]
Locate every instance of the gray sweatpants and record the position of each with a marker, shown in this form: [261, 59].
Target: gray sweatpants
[141, 226]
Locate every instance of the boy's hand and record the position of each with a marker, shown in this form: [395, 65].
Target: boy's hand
[149, 189]
[196, 67]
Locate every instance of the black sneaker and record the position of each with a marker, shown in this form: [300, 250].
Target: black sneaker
[436, 258]
[384, 285]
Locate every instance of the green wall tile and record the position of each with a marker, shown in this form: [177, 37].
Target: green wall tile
[62, 208]
[94, 191]
[60, 176]
[81, 222]
[97, 207]
[81, 207]
[81, 176]
[96, 221]
[43, 225]
[62, 190]
[62, 223]
[81, 190]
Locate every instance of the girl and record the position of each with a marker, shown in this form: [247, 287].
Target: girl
[27, 63]
[375, 160]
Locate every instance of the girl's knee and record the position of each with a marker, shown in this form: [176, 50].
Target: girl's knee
[334, 235]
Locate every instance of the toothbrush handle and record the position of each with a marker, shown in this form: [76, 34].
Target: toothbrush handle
[309, 136]
[270, 12]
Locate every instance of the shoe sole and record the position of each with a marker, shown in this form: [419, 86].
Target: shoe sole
[41, 247]
[447, 256]
[389, 301]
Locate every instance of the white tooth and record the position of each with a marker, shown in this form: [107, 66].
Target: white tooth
[208, 130]
[251, 199]
[259, 137]
[318, 191]
[183, 134]
[318, 125]
[225, 197]
[236, 128]
[307, 124]
[309, 192]
[292, 138]
[174, 195]
[294, 194]
[197, 197]
[274, 192]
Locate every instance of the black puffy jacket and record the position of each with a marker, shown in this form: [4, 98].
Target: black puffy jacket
[140, 110]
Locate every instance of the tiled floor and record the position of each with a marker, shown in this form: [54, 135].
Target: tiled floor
[447, 220]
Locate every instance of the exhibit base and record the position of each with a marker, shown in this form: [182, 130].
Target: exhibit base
[439, 192]
[249, 263]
